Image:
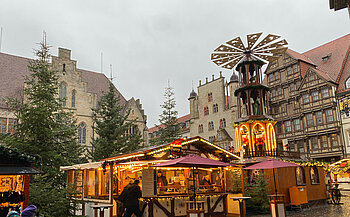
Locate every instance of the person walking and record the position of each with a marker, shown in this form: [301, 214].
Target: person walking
[121, 199]
[133, 193]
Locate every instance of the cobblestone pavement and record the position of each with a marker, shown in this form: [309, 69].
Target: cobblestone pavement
[327, 210]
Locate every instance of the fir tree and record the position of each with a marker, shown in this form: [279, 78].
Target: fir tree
[115, 133]
[46, 130]
[169, 128]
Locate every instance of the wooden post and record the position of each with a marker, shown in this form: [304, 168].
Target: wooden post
[111, 189]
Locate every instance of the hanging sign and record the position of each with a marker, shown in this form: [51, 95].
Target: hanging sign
[176, 148]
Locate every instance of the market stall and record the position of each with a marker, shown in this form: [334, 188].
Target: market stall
[165, 189]
[14, 179]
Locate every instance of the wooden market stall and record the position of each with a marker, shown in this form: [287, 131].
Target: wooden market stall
[15, 168]
[165, 190]
[305, 184]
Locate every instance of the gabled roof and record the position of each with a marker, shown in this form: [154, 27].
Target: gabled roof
[181, 119]
[13, 70]
[330, 57]
[323, 75]
[299, 56]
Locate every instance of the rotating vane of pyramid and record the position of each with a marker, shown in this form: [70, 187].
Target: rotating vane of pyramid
[229, 54]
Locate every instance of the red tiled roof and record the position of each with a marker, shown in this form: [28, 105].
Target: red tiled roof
[336, 50]
[325, 75]
[344, 75]
[13, 70]
[299, 56]
[98, 83]
[182, 119]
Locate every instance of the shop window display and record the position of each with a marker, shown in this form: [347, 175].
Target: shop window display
[300, 176]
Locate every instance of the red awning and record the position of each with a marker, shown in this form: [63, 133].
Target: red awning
[193, 160]
[271, 164]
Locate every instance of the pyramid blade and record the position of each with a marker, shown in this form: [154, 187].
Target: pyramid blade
[252, 38]
[225, 48]
[237, 43]
[266, 40]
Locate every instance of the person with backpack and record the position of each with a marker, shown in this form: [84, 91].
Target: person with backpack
[133, 193]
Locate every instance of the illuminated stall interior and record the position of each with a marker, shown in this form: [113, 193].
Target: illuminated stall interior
[14, 179]
[95, 184]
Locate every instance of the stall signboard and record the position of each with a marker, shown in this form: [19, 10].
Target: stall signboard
[149, 183]
[176, 148]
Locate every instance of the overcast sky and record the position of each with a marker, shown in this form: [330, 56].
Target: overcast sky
[149, 42]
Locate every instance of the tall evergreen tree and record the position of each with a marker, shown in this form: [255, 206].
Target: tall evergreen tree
[115, 133]
[46, 130]
[169, 128]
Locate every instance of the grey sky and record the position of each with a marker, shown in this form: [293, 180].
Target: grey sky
[151, 41]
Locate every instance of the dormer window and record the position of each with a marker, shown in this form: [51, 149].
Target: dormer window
[63, 67]
[325, 58]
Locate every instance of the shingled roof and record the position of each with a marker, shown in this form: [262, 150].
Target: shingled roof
[330, 57]
[13, 70]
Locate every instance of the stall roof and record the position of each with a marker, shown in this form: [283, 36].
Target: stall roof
[18, 170]
[92, 165]
[150, 150]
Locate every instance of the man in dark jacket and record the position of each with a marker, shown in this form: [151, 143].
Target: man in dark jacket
[121, 199]
[132, 200]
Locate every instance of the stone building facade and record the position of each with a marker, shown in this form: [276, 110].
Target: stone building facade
[303, 100]
[213, 110]
[79, 91]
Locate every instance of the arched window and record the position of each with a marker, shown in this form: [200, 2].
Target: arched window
[206, 110]
[73, 98]
[210, 97]
[200, 128]
[210, 125]
[82, 133]
[62, 93]
[215, 108]
[222, 123]
[300, 175]
[315, 179]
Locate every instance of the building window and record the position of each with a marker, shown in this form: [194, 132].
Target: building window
[311, 77]
[288, 126]
[220, 137]
[334, 140]
[325, 93]
[73, 98]
[206, 110]
[295, 68]
[292, 87]
[324, 142]
[319, 118]
[211, 138]
[12, 123]
[200, 128]
[3, 125]
[289, 70]
[273, 92]
[223, 123]
[296, 124]
[306, 98]
[210, 126]
[314, 143]
[215, 108]
[63, 67]
[300, 175]
[329, 115]
[309, 120]
[315, 179]
[279, 91]
[62, 93]
[210, 97]
[301, 146]
[314, 96]
[82, 133]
